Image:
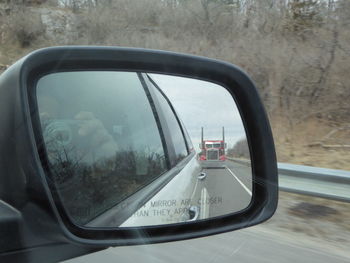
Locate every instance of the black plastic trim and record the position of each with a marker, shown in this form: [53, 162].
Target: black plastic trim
[173, 110]
[163, 123]
[167, 145]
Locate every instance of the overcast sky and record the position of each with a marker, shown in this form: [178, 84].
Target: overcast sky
[203, 104]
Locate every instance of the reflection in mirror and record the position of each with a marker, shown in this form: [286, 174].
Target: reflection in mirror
[134, 149]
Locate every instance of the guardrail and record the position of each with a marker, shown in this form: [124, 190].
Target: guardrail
[314, 181]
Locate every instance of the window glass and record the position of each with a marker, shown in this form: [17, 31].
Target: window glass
[174, 127]
[100, 133]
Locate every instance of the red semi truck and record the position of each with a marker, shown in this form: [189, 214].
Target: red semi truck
[213, 150]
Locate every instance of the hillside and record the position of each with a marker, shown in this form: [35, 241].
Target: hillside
[296, 52]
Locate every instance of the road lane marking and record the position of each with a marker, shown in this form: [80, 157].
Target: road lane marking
[240, 182]
[204, 211]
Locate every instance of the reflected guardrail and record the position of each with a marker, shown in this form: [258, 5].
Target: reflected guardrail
[314, 181]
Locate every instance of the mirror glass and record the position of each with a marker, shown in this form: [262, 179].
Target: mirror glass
[127, 149]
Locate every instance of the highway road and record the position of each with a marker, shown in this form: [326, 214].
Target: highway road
[251, 245]
[229, 187]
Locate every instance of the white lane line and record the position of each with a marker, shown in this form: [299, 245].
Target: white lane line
[242, 184]
[204, 209]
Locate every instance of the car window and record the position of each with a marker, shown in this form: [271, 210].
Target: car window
[99, 130]
[173, 126]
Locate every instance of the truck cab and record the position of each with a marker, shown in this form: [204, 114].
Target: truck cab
[213, 150]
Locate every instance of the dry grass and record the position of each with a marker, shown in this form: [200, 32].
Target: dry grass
[305, 142]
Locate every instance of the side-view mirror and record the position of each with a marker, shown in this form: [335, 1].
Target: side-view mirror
[98, 148]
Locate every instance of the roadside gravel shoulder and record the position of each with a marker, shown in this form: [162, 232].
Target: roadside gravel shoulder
[314, 222]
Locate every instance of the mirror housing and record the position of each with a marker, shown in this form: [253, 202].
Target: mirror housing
[23, 181]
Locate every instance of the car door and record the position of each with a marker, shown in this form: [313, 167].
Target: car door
[169, 205]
